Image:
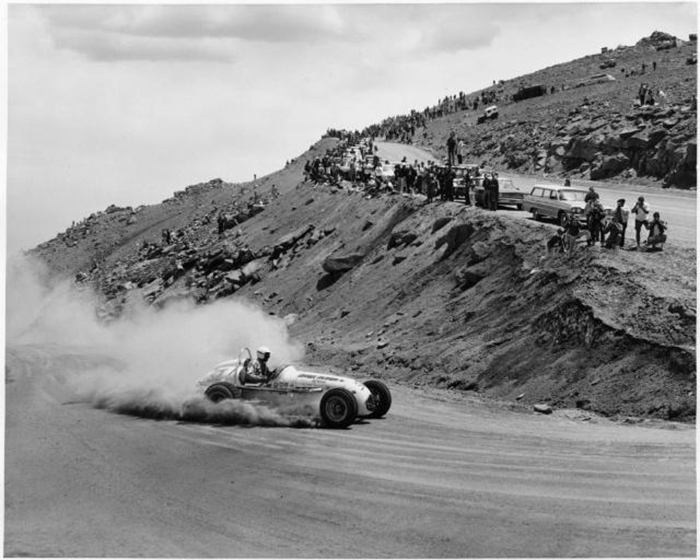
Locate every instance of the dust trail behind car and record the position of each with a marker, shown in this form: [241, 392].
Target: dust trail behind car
[145, 363]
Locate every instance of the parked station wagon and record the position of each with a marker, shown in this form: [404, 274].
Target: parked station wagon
[556, 202]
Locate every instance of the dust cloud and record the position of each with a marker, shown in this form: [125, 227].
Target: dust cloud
[146, 362]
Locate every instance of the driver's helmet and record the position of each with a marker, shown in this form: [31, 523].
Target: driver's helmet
[263, 353]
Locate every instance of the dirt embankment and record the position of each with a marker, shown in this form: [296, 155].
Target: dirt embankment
[455, 297]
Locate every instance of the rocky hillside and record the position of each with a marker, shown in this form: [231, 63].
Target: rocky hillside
[422, 294]
[590, 124]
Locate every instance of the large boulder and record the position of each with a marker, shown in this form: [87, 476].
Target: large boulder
[342, 263]
[401, 238]
[584, 148]
[609, 166]
[289, 240]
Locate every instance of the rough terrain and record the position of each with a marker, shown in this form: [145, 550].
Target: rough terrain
[591, 128]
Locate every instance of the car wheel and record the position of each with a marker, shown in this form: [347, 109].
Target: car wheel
[535, 215]
[563, 219]
[338, 408]
[222, 391]
[381, 397]
[519, 206]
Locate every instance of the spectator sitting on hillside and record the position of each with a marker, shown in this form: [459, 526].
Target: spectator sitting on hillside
[556, 242]
[572, 234]
[657, 234]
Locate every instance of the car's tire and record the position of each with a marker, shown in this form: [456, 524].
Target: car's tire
[222, 391]
[535, 214]
[563, 219]
[382, 396]
[519, 206]
[338, 408]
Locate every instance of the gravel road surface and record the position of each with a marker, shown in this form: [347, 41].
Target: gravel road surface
[440, 476]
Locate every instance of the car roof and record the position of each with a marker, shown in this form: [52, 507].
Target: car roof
[559, 187]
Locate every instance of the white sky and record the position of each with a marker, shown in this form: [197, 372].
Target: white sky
[125, 104]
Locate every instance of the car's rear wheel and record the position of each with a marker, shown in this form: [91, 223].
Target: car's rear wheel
[535, 215]
[519, 206]
[222, 391]
[381, 397]
[338, 408]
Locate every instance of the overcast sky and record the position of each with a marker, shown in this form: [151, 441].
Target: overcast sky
[125, 104]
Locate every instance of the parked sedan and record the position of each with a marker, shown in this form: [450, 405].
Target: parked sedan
[509, 194]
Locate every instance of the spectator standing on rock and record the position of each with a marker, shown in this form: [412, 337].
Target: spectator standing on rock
[657, 233]
[493, 197]
[641, 215]
[448, 184]
[595, 222]
[430, 186]
[467, 185]
[460, 149]
[621, 216]
[451, 149]
[642, 93]
[486, 188]
[590, 195]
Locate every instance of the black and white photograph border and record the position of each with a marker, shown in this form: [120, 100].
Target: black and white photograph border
[350, 280]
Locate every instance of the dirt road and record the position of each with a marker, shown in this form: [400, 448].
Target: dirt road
[439, 477]
[677, 208]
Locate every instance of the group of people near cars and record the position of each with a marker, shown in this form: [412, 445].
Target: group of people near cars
[610, 229]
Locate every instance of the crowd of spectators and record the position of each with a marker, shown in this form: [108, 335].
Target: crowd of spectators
[609, 229]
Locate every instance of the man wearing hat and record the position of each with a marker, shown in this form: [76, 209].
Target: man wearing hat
[621, 216]
[641, 215]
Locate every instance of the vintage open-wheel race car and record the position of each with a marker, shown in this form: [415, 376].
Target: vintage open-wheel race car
[337, 400]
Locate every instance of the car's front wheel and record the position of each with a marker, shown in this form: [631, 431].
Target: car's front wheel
[222, 391]
[381, 397]
[338, 408]
[535, 215]
[563, 219]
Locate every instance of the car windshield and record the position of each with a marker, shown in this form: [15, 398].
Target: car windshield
[572, 195]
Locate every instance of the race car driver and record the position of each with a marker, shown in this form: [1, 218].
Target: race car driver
[257, 371]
